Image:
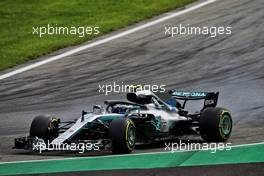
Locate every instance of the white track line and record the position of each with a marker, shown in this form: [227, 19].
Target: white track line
[90, 45]
[124, 155]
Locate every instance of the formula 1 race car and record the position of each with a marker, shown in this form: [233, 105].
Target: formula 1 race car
[145, 117]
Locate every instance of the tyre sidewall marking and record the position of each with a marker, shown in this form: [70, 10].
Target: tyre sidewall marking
[129, 122]
[222, 116]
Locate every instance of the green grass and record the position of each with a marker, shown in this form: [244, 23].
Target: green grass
[17, 18]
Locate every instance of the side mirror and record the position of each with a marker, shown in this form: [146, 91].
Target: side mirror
[134, 108]
[99, 108]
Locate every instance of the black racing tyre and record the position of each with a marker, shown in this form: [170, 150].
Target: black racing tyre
[122, 132]
[215, 124]
[44, 127]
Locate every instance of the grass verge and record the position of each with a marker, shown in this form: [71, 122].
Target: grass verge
[18, 17]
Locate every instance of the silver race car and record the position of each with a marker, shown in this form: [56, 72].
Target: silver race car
[145, 117]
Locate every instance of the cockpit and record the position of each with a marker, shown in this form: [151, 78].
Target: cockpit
[122, 107]
[158, 100]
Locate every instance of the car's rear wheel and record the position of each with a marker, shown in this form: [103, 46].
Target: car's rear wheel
[215, 124]
[122, 132]
[44, 127]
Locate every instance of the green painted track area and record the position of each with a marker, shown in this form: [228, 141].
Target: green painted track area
[237, 155]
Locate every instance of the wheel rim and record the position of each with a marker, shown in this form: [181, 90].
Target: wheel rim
[131, 136]
[226, 125]
[52, 131]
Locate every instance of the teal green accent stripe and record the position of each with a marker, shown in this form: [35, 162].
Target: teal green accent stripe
[243, 154]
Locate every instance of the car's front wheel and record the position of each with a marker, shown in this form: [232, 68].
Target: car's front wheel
[122, 132]
[44, 127]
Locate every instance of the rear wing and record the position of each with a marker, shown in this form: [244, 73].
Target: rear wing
[210, 98]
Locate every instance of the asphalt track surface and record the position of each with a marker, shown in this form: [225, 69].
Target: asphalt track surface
[232, 64]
